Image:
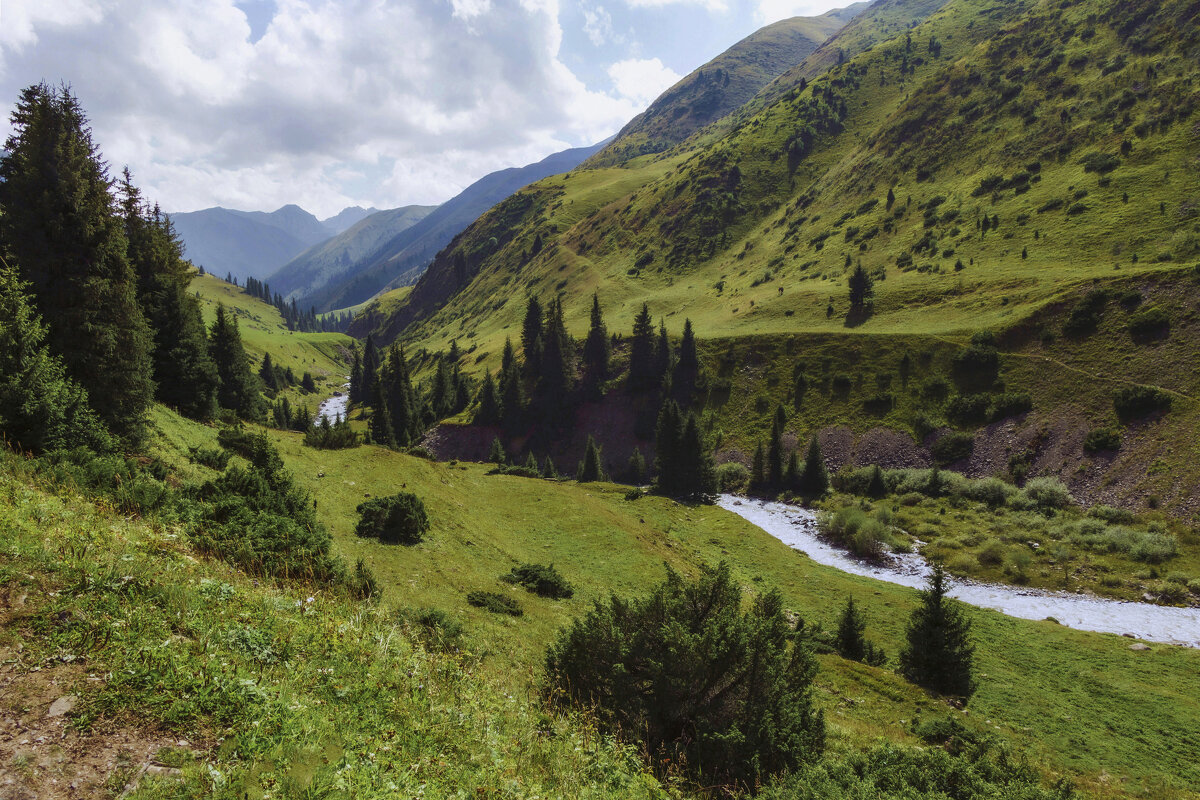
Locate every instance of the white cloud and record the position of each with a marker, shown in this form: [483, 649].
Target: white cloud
[641, 80]
[597, 25]
[406, 101]
[711, 5]
[775, 10]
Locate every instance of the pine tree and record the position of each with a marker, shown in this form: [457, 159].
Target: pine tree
[876, 488]
[185, 376]
[815, 480]
[775, 450]
[938, 653]
[641, 353]
[531, 337]
[758, 475]
[496, 454]
[664, 358]
[636, 469]
[590, 469]
[862, 288]
[548, 470]
[380, 426]
[687, 368]
[556, 376]
[398, 393]
[791, 473]
[357, 390]
[370, 368]
[512, 397]
[40, 407]
[698, 473]
[489, 410]
[667, 435]
[596, 350]
[239, 389]
[266, 373]
[850, 641]
[61, 231]
[531, 462]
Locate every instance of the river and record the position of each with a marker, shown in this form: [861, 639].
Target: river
[797, 528]
[335, 406]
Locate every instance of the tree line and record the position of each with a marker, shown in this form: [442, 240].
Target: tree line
[296, 320]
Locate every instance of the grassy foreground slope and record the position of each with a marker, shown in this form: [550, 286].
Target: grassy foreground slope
[1039, 681]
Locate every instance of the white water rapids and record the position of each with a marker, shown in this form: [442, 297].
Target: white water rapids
[334, 407]
[797, 528]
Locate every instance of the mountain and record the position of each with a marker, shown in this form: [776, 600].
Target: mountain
[326, 262]
[723, 84]
[401, 259]
[347, 217]
[247, 243]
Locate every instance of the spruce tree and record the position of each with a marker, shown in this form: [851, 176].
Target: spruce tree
[489, 410]
[775, 450]
[357, 390]
[61, 231]
[380, 425]
[815, 480]
[636, 469]
[938, 653]
[531, 337]
[596, 350]
[698, 474]
[512, 397]
[239, 389]
[850, 641]
[556, 376]
[185, 377]
[687, 367]
[548, 470]
[862, 288]
[40, 407]
[664, 358]
[667, 436]
[792, 473]
[370, 369]
[876, 488]
[641, 353]
[496, 453]
[590, 469]
[758, 475]
[398, 393]
[266, 374]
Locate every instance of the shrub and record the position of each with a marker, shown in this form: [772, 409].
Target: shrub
[1010, 404]
[732, 477]
[1149, 324]
[1047, 494]
[1102, 163]
[1112, 515]
[1135, 402]
[398, 519]
[435, 626]
[361, 583]
[952, 447]
[1100, 439]
[976, 367]
[724, 692]
[1154, 548]
[970, 409]
[495, 603]
[541, 579]
[1086, 313]
[992, 491]
[991, 554]
[211, 457]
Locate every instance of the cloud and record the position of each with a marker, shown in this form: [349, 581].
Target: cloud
[775, 10]
[338, 102]
[597, 25]
[641, 80]
[711, 5]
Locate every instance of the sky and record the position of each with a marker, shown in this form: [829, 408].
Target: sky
[253, 104]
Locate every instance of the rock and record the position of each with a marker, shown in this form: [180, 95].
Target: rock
[1128, 635]
[1139, 646]
[1149, 598]
[62, 706]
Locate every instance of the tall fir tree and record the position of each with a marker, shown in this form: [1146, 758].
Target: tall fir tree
[938, 653]
[41, 408]
[850, 640]
[667, 436]
[590, 468]
[698, 475]
[862, 288]
[814, 482]
[556, 377]
[512, 397]
[775, 457]
[240, 390]
[489, 410]
[380, 425]
[641, 353]
[531, 337]
[687, 366]
[398, 393]
[370, 368]
[184, 374]
[596, 351]
[664, 356]
[60, 230]
[357, 390]
[266, 374]
[758, 468]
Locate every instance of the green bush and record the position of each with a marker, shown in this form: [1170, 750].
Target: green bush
[732, 477]
[970, 409]
[495, 603]
[211, 457]
[1113, 515]
[722, 692]
[435, 627]
[1135, 402]
[1009, 404]
[1047, 494]
[541, 579]
[1100, 439]
[1149, 324]
[398, 519]
[952, 447]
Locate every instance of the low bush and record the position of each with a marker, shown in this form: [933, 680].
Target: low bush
[434, 626]
[211, 457]
[1149, 324]
[1047, 494]
[495, 603]
[398, 519]
[1101, 439]
[1113, 515]
[1085, 315]
[541, 579]
[1009, 404]
[969, 409]
[1135, 402]
[732, 477]
[952, 447]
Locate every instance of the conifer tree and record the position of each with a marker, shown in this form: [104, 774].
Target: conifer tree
[512, 397]
[758, 474]
[380, 426]
[596, 349]
[698, 473]
[791, 473]
[641, 353]
[938, 653]
[548, 470]
[60, 229]
[636, 468]
[266, 374]
[590, 469]
[185, 376]
[496, 454]
[357, 390]
[667, 435]
[370, 368]
[531, 337]
[664, 358]
[398, 392]
[40, 407]
[239, 389]
[815, 480]
[531, 462]
[862, 288]
[876, 488]
[687, 368]
[509, 357]
[556, 376]
[489, 410]
[850, 642]
[775, 450]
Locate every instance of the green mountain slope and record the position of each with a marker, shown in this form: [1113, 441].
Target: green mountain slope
[722, 85]
[329, 260]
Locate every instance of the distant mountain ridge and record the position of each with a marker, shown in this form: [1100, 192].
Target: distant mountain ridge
[256, 243]
[402, 259]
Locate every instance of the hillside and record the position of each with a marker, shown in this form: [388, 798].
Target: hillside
[1069, 130]
[722, 85]
[403, 258]
[328, 261]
